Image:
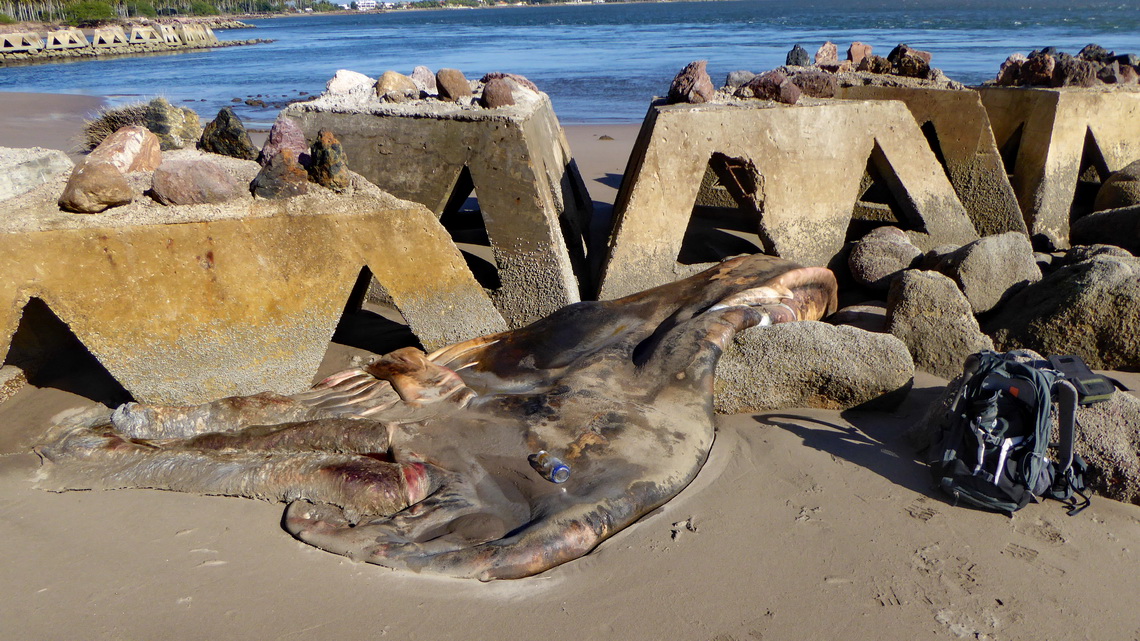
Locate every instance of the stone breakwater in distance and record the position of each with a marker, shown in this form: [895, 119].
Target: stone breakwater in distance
[55, 55]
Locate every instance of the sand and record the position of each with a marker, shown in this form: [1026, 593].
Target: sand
[804, 524]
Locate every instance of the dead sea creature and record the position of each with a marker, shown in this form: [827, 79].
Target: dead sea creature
[499, 457]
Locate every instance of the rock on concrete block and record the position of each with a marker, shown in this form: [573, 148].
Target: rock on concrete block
[95, 187]
[250, 290]
[928, 312]
[810, 364]
[533, 202]
[22, 170]
[129, 149]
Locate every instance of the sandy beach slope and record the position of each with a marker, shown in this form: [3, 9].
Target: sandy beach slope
[804, 524]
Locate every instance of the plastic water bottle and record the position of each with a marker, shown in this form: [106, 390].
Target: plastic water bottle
[549, 466]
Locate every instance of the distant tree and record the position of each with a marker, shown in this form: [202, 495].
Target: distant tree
[352, 5]
[141, 8]
[90, 12]
[202, 8]
[7, 19]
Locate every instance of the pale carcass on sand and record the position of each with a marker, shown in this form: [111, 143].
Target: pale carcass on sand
[422, 462]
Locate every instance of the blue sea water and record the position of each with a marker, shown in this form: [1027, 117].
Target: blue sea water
[598, 62]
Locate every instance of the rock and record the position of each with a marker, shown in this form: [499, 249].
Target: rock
[1119, 227]
[1091, 308]
[1121, 189]
[857, 52]
[346, 82]
[131, 148]
[992, 268]
[811, 364]
[931, 259]
[1081, 253]
[1109, 74]
[176, 127]
[875, 64]
[1009, 74]
[735, 79]
[912, 66]
[1109, 441]
[497, 93]
[771, 85]
[881, 255]
[828, 54]
[816, 84]
[12, 380]
[281, 177]
[424, 79]
[692, 85]
[22, 170]
[870, 316]
[254, 102]
[1096, 53]
[928, 312]
[328, 167]
[1128, 76]
[1038, 70]
[285, 134]
[798, 57]
[194, 181]
[519, 81]
[901, 51]
[396, 87]
[95, 187]
[1074, 72]
[452, 85]
[226, 135]
[1128, 59]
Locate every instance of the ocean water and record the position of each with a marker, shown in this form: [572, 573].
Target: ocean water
[598, 62]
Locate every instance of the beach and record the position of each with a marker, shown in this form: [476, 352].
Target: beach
[803, 524]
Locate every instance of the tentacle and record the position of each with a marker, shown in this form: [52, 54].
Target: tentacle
[135, 420]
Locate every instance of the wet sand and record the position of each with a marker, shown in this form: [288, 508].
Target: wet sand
[804, 524]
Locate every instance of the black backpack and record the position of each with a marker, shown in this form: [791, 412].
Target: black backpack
[992, 450]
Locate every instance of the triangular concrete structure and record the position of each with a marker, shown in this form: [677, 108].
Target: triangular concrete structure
[1055, 124]
[811, 158]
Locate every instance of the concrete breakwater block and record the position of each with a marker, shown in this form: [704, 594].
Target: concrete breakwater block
[186, 304]
[515, 159]
[958, 129]
[795, 173]
[1059, 145]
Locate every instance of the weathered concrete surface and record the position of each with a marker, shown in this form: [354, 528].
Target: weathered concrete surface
[967, 144]
[25, 169]
[1054, 125]
[187, 304]
[809, 159]
[533, 201]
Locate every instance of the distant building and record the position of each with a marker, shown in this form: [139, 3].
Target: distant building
[366, 5]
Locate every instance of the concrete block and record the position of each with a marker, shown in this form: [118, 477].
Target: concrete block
[71, 38]
[142, 34]
[806, 163]
[109, 37]
[169, 34]
[24, 41]
[516, 159]
[1048, 132]
[191, 303]
[26, 169]
[958, 128]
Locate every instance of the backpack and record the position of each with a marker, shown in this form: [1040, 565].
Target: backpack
[992, 450]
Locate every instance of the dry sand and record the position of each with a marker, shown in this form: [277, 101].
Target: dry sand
[804, 524]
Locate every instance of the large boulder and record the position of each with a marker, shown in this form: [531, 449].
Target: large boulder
[928, 312]
[452, 85]
[329, 166]
[345, 81]
[881, 255]
[798, 57]
[176, 127]
[497, 93]
[131, 148]
[282, 177]
[771, 85]
[1119, 227]
[1091, 309]
[1121, 189]
[22, 170]
[396, 87]
[692, 84]
[991, 268]
[810, 364]
[424, 79]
